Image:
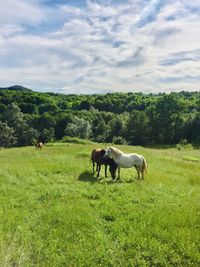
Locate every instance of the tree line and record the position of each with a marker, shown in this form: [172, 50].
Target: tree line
[120, 118]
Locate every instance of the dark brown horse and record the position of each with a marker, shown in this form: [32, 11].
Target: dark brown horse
[39, 145]
[97, 157]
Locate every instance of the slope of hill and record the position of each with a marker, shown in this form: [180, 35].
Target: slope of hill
[55, 213]
[16, 88]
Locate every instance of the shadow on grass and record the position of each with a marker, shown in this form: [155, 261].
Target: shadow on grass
[125, 181]
[87, 177]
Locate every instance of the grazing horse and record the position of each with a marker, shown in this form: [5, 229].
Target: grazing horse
[39, 145]
[127, 160]
[97, 157]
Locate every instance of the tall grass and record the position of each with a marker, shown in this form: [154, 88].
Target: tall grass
[54, 212]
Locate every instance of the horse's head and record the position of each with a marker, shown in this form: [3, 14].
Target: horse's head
[108, 152]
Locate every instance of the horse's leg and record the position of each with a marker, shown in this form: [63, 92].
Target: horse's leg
[99, 169]
[142, 172]
[106, 170]
[138, 172]
[118, 173]
[93, 166]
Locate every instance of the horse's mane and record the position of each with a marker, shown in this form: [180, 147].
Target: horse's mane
[116, 151]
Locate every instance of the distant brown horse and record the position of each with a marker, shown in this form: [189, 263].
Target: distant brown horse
[39, 145]
[97, 157]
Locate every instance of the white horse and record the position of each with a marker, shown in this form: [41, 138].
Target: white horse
[127, 160]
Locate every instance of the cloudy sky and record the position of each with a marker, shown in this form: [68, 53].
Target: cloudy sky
[87, 46]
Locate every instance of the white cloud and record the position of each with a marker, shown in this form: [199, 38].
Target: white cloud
[99, 46]
[10, 29]
[20, 12]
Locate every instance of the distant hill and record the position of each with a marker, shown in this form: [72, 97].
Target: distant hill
[16, 88]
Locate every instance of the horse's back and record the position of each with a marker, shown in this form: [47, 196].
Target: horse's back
[39, 145]
[95, 152]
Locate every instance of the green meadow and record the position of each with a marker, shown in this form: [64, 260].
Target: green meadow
[54, 212]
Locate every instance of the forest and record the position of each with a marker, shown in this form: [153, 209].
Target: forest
[121, 118]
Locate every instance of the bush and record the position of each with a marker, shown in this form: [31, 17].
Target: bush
[75, 140]
[197, 141]
[183, 142]
[118, 140]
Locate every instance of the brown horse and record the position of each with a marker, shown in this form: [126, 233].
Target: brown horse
[97, 157]
[39, 145]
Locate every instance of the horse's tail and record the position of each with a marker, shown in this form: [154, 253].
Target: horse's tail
[144, 165]
[91, 158]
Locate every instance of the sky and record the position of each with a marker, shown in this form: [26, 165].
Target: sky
[87, 46]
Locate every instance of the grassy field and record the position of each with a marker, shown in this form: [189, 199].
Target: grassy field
[53, 212]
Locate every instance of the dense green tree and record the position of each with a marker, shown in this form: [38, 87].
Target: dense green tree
[85, 104]
[7, 138]
[48, 107]
[100, 131]
[44, 121]
[116, 128]
[166, 118]
[29, 136]
[193, 127]
[2, 108]
[61, 121]
[137, 128]
[25, 135]
[78, 128]
[13, 116]
[29, 108]
[47, 135]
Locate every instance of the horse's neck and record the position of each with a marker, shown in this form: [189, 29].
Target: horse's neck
[116, 153]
